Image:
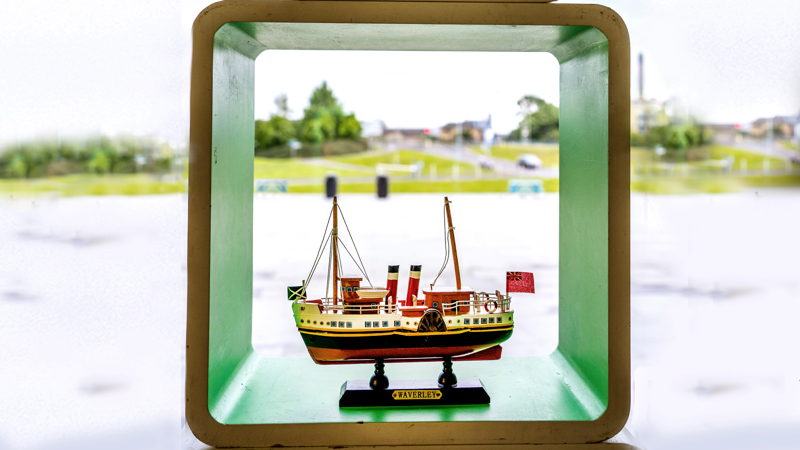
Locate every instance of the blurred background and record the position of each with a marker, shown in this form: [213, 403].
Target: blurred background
[94, 115]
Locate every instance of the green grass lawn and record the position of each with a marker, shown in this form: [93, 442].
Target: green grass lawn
[642, 155]
[695, 178]
[548, 153]
[712, 184]
[444, 166]
[406, 187]
[281, 169]
[646, 162]
[85, 184]
[753, 161]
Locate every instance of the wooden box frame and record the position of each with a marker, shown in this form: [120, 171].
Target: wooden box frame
[590, 368]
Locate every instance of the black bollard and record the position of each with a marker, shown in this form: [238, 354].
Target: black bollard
[379, 381]
[383, 186]
[447, 378]
[330, 185]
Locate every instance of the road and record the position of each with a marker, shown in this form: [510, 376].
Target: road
[761, 146]
[502, 167]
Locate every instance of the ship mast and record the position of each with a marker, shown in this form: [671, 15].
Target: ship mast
[451, 230]
[335, 243]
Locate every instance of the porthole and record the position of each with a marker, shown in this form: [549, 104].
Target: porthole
[415, 323]
[407, 323]
[449, 321]
[301, 320]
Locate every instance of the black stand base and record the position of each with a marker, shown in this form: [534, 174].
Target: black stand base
[413, 393]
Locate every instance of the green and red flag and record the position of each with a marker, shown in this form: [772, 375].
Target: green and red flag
[519, 282]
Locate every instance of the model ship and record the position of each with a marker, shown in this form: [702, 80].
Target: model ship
[365, 324]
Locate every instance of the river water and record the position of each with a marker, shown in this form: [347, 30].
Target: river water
[92, 305]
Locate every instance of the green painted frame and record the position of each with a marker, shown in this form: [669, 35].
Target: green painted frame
[579, 394]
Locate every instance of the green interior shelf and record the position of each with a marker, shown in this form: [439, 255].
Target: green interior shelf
[297, 390]
[572, 384]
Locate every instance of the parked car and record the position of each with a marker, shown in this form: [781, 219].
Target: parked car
[485, 162]
[529, 161]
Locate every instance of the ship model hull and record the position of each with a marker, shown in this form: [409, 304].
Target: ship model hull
[332, 347]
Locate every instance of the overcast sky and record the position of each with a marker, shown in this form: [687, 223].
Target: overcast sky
[123, 66]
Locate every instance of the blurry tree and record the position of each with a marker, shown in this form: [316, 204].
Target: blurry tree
[323, 130]
[539, 120]
[278, 130]
[282, 103]
[324, 119]
[92, 155]
[349, 127]
[17, 167]
[99, 162]
[674, 136]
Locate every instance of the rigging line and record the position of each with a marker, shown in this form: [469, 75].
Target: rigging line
[316, 263]
[325, 237]
[363, 271]
[339, 259]
[446, 246]
[354, 245]
[330, 259]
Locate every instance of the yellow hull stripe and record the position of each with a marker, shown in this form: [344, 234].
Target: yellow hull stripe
[407, 333]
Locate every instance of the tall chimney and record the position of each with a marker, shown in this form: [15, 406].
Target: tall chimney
[641, 76]
[413, 284]
[391, 285]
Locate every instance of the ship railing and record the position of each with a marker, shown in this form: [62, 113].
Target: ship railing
[479, 303]
[328, 307]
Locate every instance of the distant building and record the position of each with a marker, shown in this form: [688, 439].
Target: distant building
[725, 131]
[373, 129]
[781, 126]
[796, 137]
[404, 134]
[646, 114]
[472, 130]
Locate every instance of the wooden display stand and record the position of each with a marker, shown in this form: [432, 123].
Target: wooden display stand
[579, 394]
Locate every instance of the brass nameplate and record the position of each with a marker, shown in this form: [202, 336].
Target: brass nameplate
[426, 394]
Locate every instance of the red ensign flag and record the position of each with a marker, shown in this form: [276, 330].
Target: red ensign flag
[519, 282]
